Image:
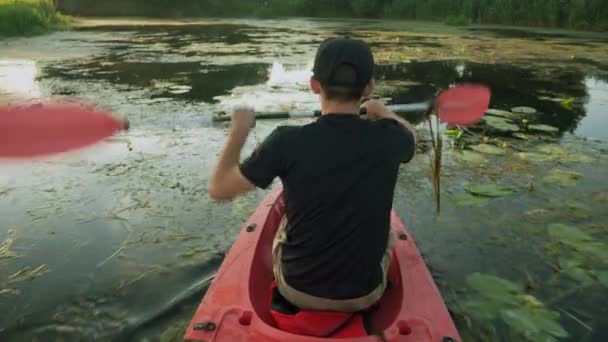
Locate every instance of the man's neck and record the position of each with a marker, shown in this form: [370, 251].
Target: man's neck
[332, 107]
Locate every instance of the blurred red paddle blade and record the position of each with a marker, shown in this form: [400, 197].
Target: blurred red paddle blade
[43, 130]
[464, 105]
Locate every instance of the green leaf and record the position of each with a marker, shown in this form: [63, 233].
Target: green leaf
[483, 309]
[537, 324]
[488, 149]
[523, 110]
[568, 235]
[536, 157]
[468, 200]
[519, 320]
[488, 190]
[494, 287]
[471, 157]
[562, 178]
[501, 113]
[500, 124]
[453, 133]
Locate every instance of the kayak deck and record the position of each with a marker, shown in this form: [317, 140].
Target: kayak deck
[236, 307]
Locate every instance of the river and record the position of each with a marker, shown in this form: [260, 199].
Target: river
[118, 242]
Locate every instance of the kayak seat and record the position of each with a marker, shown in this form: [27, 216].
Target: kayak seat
[289, 318]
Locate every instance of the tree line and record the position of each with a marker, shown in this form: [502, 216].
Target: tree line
[577, 14]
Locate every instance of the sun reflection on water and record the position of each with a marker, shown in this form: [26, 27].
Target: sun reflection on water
[595, 122]
[18, 79]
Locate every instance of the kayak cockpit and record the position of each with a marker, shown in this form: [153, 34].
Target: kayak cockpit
[382, 316]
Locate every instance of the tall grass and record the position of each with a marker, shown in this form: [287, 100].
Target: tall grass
[29, 17]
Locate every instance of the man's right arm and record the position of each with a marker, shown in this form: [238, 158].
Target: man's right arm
[376, 110]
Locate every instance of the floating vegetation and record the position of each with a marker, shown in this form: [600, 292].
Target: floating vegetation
[562, 178]
[468, 200]
[581, 256]
[175, 332]
[10, 292]
[501, 113]
[524, 110]
[242, 207]
[471, 157]
[28, 274]
[488, 149]
[554, 153]
[500, 299]
[600, 197]
[5, 246]
[488, 190]
[543, 128]
[521, 136]
[501, 124]
[178, 89]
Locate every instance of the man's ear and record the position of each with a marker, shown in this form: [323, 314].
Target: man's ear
[369, 88]
[315, 85]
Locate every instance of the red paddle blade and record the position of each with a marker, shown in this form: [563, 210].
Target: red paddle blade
[42, 130]
[464, 105]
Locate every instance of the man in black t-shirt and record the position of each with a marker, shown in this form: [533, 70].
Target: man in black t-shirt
[339, 175]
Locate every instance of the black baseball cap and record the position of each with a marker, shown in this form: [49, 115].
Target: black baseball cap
[344, 63]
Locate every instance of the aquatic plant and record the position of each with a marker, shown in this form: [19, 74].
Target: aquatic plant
[526, 316]
[29, 17]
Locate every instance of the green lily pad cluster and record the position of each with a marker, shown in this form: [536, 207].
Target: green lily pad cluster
[582, 257]
[512, 122]
[501, 124]
[554, 153]
[488, 149]
[500, 299]
[562, 178]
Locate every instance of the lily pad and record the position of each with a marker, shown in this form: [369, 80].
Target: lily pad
[600, 197]
[562, 178]
[554, 153]
[468, 200]
[535, 325]
[568, 235]
[488, 149]
[536, 157]
[501, 113]
[520, 136]
[543, 128]
[471, 157]
[488, 190]
[491, 286]
[523, 110]
[500, 124]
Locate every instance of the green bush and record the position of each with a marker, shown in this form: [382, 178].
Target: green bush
[459, 20]
[29, 17]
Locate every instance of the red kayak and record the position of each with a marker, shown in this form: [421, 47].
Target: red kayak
[236, 307]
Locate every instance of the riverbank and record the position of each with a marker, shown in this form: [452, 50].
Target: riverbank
[29, 17]
[581, 15]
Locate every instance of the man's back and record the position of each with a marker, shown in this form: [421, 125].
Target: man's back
[339, 175]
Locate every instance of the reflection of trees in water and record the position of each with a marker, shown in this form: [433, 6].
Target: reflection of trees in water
[206, 84]
[512, 85]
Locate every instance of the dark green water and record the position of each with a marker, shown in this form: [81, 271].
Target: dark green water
[129, 239]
